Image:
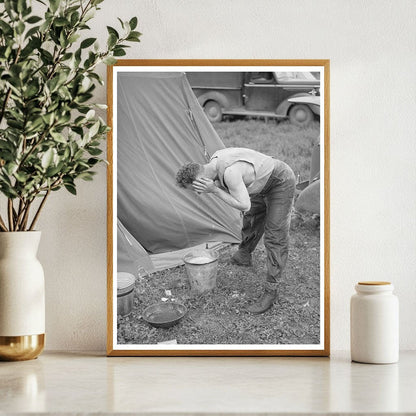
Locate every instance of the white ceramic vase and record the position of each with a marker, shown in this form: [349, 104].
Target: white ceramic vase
[22, 296]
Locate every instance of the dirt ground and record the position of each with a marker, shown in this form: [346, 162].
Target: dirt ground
[219, 317]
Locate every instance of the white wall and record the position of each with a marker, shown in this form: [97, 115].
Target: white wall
[371, 45]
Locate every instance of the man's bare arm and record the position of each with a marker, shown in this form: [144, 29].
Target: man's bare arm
[237, 197]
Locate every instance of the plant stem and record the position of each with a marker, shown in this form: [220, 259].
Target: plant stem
[39, 209]
[26, 216]
[2, 224]
[17, 216]
[20, 214]
[36, 144]
[10, 213]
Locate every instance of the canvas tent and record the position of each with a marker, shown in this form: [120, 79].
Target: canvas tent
[160, 126]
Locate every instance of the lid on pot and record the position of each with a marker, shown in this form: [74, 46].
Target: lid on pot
[125, 282]
[374, 283]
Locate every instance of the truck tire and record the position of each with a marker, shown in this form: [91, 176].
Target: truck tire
[300, 115]
[213, 111]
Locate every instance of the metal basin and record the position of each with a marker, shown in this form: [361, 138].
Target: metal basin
[164, 314]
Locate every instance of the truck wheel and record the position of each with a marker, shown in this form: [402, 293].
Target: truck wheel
[213, 111]
[300, 114]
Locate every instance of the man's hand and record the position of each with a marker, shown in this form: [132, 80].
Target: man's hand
[204, 185]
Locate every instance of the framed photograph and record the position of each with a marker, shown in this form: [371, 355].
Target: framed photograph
[218, 208]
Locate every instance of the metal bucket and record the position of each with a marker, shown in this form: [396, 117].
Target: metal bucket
[201, 266]
[125, 293]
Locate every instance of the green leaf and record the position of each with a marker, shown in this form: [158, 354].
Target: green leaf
[20, 28]
[58, 137]
[87, 42]
[10, 8]
[94, 129]
[16, 124]
[96, 77]
[52, 171]
[78, 154]
[67, 153]
[132, 39]
[54, 4]
[48, 118]
[33, 19]
[26, 11]
[46, 56]
[110, 60]
[78, 130]
[86, 176]
[31, 90]
[21, 6]
[82, 166]
[89, 15]
[111, 30]
[133, 23]
[47, 158]
[92, 161]
[61, 21]
[21, 177]
[85, 85]
[119, 52]
[90, 115]
[74, 18]
[11, 168]
[73, 38]
[134, 36]
[6, 146]
[53, 83]
[8, 191]
[67, 56]
[112, 40]
[94, 151]
[27, 52]
[35, 125]
[70, 188]
[6, 29]
[121, 22]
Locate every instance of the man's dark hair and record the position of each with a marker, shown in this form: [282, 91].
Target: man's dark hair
[187, 173]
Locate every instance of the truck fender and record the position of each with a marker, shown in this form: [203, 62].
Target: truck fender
[284, 107]
[221, 99]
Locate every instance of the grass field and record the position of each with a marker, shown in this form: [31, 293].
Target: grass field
[285, 141]
[219, 317]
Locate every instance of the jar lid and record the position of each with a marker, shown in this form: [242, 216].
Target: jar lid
[125, 282]
[370, 287]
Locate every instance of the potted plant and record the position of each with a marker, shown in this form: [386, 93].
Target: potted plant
[50, 137]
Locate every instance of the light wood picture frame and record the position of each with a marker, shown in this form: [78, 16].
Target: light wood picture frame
[157, 105]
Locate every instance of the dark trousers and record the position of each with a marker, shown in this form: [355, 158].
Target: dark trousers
[270, 215]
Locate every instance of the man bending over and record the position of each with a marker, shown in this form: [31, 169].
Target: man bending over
[263, 188]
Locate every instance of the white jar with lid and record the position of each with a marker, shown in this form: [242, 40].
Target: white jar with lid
[374, 323]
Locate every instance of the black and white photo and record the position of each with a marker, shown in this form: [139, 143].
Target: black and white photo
[219, 194]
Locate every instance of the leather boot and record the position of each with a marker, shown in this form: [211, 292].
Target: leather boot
[264, 303]
[241, 258]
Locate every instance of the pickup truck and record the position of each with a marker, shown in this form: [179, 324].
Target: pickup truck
[256, 94]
